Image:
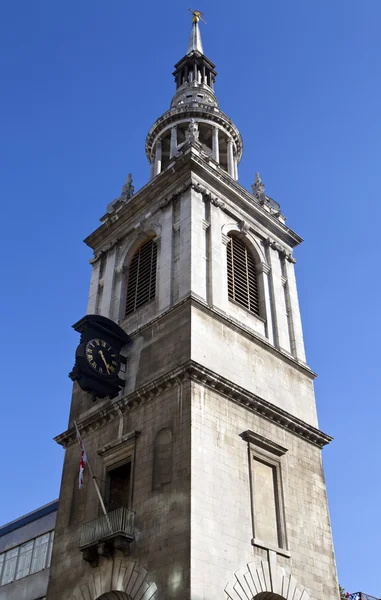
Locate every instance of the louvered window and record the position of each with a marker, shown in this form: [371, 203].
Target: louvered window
[242, 276]
[141, 277]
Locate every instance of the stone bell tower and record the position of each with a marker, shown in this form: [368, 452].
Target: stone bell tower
[209, 460]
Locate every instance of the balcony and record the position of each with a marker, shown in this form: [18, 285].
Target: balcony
[101, 537]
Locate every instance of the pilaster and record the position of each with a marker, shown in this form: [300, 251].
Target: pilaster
[281, 334]
[164, 279]
[94, 285]
[108, 283]
[184, 266]
[198, 245]
[296, 333]
[218, 274]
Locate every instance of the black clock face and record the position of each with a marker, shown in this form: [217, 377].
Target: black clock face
[102, 358]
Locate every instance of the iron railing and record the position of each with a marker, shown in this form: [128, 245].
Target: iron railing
[116, 522]
[360, 596]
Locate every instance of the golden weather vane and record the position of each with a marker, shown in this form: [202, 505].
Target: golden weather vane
[197, 16]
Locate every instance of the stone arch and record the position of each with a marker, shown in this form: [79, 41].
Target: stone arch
[117, 579]
[241, 230]
[130, 245]
[127, 250]
[265, 580]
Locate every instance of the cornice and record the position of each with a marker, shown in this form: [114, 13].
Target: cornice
[158, 193]
[262, 442]
[232, 323]
[252, 335]
[193, 371]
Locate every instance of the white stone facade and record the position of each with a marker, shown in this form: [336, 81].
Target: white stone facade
[230, 388]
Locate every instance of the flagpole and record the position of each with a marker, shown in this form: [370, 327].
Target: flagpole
[93, 477]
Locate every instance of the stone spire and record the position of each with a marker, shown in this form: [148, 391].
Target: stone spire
[194, 115]
[195, 43]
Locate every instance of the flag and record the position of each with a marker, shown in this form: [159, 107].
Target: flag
[83, 460]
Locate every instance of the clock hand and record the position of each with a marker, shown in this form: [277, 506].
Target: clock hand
[104, 360]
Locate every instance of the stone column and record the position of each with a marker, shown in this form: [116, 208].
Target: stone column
[235, 169]
[230, 158]
[203, 74]
[158, 157]
[215, 145]
[296, 332]
[173, 147]
[152, 168]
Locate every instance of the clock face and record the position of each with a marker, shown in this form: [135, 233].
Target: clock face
[102, 358]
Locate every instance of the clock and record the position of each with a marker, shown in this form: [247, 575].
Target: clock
[98, 357]
[102, 357]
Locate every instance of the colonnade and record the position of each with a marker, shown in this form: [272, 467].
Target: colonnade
[232, 163]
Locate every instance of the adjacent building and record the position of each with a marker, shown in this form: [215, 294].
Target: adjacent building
[25, 553]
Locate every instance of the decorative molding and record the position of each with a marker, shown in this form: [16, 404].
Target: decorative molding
[262, 442]
[193, 371]
[265, 576]
[225, 239]
[281, 251]
[119, 443]
[120, 270]
[116, 579]
[95, 258]
[101, 283]
[207, 195]
[178, 192]
[243, 226]
[263, 267]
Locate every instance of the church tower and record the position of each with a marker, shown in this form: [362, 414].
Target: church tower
[209, 459]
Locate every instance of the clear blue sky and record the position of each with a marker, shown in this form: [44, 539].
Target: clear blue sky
[82, 82]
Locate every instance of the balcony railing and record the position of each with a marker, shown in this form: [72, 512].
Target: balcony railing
[117, 523]
[360, 596]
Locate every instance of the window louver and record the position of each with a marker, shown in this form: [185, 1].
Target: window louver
[242, 276]
[141, 283]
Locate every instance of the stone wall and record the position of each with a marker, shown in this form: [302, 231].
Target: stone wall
[221, 542]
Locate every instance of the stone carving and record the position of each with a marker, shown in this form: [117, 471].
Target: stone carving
[118, 578]
[281, 251]
[243, 226]
[127, 193]
[181, 190]
[192, 134]
[207, 195]
[128, 189]
[264, 576]
[258, 189]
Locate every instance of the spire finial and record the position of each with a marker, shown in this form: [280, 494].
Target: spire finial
[195, 43]
[197, 16]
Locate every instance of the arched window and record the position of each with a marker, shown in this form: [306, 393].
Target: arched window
[242, 276]
[141, 283]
